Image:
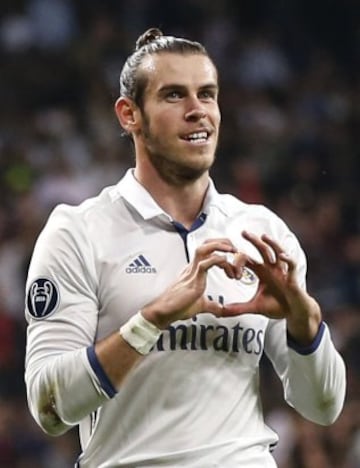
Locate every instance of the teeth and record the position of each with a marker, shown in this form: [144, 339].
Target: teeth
[197, 136]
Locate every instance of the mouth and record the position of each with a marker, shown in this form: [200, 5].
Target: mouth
[199, 137]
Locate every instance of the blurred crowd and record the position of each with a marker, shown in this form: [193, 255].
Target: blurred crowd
[290, 101]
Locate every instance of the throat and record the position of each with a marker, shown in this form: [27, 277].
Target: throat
[183, 205]
[184, 213]
[179, 193]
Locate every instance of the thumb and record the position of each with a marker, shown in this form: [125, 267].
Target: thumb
[238, 308]
[212, 307]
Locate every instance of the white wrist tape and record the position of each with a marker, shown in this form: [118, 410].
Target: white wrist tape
[140, 334]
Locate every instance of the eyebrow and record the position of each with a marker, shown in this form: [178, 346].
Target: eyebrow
[176, 86]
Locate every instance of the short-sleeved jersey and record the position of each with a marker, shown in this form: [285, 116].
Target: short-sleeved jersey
[193, 401]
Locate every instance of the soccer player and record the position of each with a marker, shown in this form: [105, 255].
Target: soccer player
[150, 305]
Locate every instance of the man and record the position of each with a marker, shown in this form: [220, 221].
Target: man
[150, 306]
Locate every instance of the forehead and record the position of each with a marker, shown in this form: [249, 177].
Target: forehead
[190, 70]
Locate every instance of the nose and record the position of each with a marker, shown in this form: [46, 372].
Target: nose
[195, 110]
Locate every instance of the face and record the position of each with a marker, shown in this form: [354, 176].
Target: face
[180, 118]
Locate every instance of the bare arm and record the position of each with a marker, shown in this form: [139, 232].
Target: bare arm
[109, 349]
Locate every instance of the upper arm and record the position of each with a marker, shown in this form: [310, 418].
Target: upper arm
[61, 302]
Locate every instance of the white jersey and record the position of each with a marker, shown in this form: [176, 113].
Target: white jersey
[194, 400]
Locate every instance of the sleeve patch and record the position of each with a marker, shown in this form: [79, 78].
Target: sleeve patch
[42, 298]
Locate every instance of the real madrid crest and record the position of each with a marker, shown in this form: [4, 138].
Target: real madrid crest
[248, 277]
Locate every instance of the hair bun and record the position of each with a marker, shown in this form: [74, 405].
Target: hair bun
[149, 36]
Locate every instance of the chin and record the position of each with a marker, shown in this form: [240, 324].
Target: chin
[193, 172]
[205, 161]
[182, 168]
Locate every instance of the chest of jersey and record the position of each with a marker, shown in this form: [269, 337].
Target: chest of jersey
[143, 263]
[133, 270]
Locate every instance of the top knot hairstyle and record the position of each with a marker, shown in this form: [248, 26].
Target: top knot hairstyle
[133, 82]
[149, 36]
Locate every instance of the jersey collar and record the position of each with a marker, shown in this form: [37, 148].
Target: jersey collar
[139, 198]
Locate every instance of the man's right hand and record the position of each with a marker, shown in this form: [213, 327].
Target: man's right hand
[186, 297]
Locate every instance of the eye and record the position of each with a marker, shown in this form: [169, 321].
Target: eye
[173, 95]
[207, 94]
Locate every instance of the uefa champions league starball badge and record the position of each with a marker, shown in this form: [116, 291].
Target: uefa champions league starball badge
[42, 298]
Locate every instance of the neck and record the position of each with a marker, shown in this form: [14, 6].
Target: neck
[182, 202]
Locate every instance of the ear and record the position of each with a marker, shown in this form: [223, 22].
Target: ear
[127, 114]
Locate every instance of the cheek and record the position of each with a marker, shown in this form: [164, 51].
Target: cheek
[216, 116]
[164, 122]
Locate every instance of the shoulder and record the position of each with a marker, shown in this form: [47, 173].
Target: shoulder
[68, 239]
[259, 219]
[234, 207]
[72, 231]
[87, 216]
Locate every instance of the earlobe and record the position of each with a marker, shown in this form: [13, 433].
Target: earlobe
[126, 114]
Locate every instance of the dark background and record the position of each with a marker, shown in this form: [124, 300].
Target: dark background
[290, 100]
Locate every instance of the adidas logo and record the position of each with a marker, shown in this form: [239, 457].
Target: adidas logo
[140, 265]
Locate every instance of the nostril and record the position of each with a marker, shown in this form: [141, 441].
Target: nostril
[195, 114]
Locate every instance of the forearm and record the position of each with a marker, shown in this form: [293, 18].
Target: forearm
[66, 386]
[303, 326]
[65, 389]
[62, 390]
[315, 379]
[116, 358]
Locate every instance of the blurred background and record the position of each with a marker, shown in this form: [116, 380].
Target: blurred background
[290, 100]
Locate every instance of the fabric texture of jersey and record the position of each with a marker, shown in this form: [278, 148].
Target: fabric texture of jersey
[193, 401]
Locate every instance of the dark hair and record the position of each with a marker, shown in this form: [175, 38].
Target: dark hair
[133, 83]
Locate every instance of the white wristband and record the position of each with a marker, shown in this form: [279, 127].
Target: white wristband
[140, 334]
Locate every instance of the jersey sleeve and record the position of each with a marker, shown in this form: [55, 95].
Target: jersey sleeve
[313, 377]
[62, 312]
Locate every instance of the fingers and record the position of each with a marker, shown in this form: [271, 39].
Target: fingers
[273, 244]
[262, 244]
[216, 260]
[240, 260]
[213, 307]
[270, 255]
[291, 265]
[208, 255]
[220, 240]
[212, 245]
